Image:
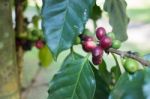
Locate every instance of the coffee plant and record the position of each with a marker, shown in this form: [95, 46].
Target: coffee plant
[84, 73]
[83, 77]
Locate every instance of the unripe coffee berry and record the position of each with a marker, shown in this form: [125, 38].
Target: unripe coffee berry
[111, 35]
[116, 44]
[100, 33]
[77, 40]
[131, 66]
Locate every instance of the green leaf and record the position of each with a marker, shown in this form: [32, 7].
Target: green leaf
[63, 21]
[118, 18]
[147, 57]
[75, 80]
[104, 73]
[102, 88]
[136, 86]
[115, 71]
[96, 13]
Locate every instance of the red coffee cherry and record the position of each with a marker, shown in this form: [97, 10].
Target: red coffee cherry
[100, 33]
[106, 42]
[39, 44]
[88, 46]
[97, 52]
[97, 60]
[87, 38]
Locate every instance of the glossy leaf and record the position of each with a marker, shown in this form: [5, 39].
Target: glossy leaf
[63, 21]
[104, 73]
[117, 17]
[115, 71]
[136, 86]
[75, 80]
[102, 88]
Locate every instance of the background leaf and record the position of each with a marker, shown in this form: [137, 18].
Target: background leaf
[96, 13]
[63, 21]
[136, 86]
[118, 18]
[75, 80]
[147, 57]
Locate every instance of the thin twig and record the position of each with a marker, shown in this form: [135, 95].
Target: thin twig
[133, 56]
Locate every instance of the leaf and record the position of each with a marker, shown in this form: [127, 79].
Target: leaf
[102, 88]
[118, 18]
[104, 73]
[147, 57]
[136, 86]
[63, 21]
[115, 72]
[96, 13]
[75, 80]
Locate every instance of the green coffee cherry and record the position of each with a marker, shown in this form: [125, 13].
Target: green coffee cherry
[131, 65]
[35, 21]
[111, 35]
[23, 35]
[77, 41]
[116, 44]
[45, 56]
[123, 60]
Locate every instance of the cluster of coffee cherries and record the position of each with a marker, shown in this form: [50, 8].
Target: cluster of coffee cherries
[97, 47]
[30, 39]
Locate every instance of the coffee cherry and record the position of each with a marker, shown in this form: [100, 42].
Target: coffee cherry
[106, 42]
[100, 33]
[131, 66]
[86, 38]
[77, 40]
[18, 42]
[45, 56]
[27, 45]
[97, 52]
[116, 44]
[88, 46]
[96, 60]
[111, 35]
[39, 44]
[23, 35]
[123, 60]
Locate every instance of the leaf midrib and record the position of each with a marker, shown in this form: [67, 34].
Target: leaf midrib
[79, 75]
[62, 28]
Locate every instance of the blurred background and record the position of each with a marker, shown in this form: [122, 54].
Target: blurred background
[138, 40]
